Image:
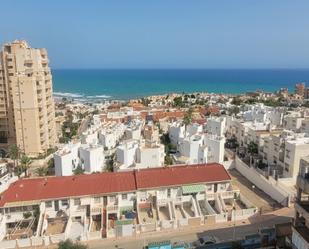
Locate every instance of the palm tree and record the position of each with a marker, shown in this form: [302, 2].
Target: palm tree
[41, 171]
[14, 154]
[25, 162]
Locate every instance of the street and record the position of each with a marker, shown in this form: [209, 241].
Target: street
[223, 231]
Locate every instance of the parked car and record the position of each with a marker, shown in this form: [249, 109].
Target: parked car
[206, 240]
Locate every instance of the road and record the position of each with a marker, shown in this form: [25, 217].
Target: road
[224, 232]
[83, 126]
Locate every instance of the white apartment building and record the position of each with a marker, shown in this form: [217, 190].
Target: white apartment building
[151, 133]
[305, 126]
[110, 134]
[293, 121]
[215, 145]
[126, 153]
[134, 155]
[286, 150]
[192, 150]
[134, 130]
[263, 114]
[176, 131]
[300, 228]
[150, 155]
[216, 126]
[89, 157]
[193, 129]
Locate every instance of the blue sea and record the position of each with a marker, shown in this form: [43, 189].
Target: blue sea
[125, 84]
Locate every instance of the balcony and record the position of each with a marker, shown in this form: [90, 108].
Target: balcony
[303, 183]
[301, 231]
[302, 207]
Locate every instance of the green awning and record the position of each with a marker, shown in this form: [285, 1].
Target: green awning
[123, 222]
[191, 189]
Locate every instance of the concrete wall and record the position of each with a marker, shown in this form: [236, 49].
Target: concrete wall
[262, 183]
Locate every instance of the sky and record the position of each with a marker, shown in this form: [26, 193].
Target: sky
[162, 33]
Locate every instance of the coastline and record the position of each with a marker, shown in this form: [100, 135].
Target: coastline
[125, 84]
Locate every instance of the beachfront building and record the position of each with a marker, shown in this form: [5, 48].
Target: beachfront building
[300, 237]
[109, 205]
[27, 115]
[88, 158]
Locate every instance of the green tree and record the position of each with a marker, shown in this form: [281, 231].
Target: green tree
[188, 117]
[79, 170]
[178, 102]
[25, 163]
[168, 160]
[41, 171]
[14, 153]
[69, 244]
[252, 148]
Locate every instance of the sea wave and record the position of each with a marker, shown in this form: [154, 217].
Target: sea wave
[70, 95]
[98, 96]
[80, 96]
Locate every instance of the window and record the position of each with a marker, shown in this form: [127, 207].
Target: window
[76, 201]
[124, 196]
[209, 187]
[97, 200]
[64, 202]
[168, 193]
[48, 204]
[223, 186]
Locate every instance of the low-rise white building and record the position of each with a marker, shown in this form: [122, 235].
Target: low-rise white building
[89, 158]
[126, 153]
[215, 145]
[216, 126]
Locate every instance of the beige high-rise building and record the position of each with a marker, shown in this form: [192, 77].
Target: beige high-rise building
[27, 114]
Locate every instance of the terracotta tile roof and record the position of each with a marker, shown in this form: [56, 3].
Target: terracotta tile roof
[66, 186]
[95, 184]
[181, 175]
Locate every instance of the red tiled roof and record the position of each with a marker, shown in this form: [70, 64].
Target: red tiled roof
[66, 186]
[181, 175]
[104, 183]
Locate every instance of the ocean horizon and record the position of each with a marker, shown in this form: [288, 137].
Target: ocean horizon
[123, 84]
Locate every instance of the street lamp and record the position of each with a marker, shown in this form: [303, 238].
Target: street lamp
[234, 212]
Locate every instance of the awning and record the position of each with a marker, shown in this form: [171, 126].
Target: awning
[160, 245]
[123, 222]
[191, 189]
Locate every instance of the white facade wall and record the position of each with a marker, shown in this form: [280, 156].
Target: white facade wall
[189, 147]
[193, 129]
[176, 132]
[126, 153]
[92, 158]
[215, 148]
[108, 140]
[66, 160]
[216, 126]
[150, 157]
